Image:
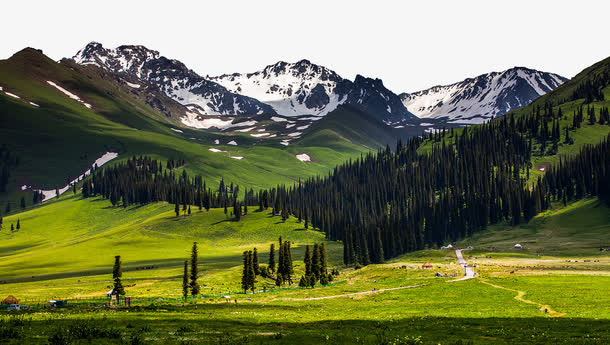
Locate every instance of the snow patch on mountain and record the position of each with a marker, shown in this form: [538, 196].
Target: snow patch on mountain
[171, 77]
[304, 88]
[69, 94]
[476, 100]
[303, 157]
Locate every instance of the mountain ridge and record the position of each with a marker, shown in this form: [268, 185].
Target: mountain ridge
[290, 89]
[486, 96]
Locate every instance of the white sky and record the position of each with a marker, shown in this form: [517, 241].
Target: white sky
[410, 45]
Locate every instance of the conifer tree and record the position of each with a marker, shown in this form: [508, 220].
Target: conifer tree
[315, 262]
[288, 262]
[251, 274]
[280, 261]
[18, 224]
[255, 265]
[248, 275]
[323, 260]
[177, 209]
[271, 255]
[245, 279]
[194, 270]
[303, 282]
[117, 273]
[23, 203]
[307, 261]
[185, 280]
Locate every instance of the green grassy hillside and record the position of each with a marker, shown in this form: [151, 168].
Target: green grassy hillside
[77, 237]
[57, 138]
[582, 227]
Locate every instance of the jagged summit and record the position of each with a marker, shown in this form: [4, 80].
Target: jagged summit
[285, 88]
[305, 88]
[172, 77]
[478, 99]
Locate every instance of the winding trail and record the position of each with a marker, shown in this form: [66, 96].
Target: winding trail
[520, 298]
[356, 293]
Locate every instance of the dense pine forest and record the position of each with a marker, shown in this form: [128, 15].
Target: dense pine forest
[142, 180]
[390, 203]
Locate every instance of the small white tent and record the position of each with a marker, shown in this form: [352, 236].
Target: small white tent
[518, 246]
[109, 293]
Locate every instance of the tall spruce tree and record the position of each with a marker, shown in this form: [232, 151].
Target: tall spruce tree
[307, 261]
[245, 279]
[315, 262]
[324, 258]
[117, 274]
[271, 254]
[185, 280]
[255, 265]
[194, 270]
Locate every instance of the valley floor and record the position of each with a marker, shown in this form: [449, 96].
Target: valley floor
[396, 302]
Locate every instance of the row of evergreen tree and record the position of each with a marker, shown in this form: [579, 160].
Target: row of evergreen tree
[143, 180]
[316, 266]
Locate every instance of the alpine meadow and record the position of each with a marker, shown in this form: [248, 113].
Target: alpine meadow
[146, 199]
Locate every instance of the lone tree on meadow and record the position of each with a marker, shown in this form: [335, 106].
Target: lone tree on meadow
[117, 273]
[194, 270]
[185, 280]
[18, 224]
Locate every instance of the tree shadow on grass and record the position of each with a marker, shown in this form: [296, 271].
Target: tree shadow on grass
[212, 323]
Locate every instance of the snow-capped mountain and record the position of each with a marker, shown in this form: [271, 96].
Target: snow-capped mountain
[142, 65]
[476, 100]
[290, 89]
[304, 88]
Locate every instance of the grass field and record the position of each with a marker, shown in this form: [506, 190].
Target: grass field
[60, 253]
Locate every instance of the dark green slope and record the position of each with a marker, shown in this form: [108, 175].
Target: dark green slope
[351, 124]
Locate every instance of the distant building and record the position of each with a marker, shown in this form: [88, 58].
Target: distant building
[427, 265]
[10, 300]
